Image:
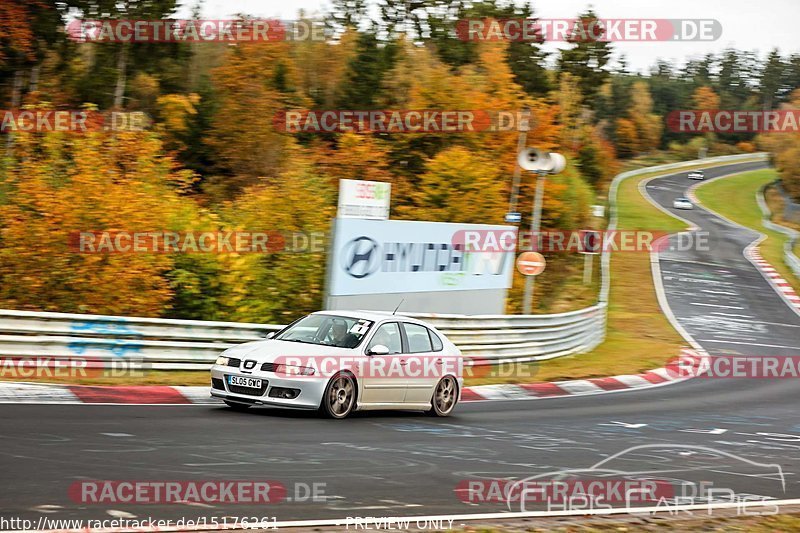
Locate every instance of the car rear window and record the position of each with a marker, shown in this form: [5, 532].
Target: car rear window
[436, 341]
[418, 338]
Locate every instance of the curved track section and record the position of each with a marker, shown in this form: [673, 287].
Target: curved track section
[742, 435]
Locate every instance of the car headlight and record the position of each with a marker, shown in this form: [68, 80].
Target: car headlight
[293, 370]
[222, 361]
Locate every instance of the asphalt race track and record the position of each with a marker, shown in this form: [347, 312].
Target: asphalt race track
[737, 434]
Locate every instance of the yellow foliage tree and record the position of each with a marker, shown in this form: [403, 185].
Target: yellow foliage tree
[648, 124]
[627, 137]
[256, 81]
[175, 111]
[278, 286]
[785, 150]
[705, 98]
[459, 186]
[60, 183]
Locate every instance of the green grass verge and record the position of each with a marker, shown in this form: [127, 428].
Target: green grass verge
[735, 198]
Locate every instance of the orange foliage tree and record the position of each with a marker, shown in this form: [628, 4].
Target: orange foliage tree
[58, 183]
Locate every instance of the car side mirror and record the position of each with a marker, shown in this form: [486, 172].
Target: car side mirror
[271, 334]
[378, 349]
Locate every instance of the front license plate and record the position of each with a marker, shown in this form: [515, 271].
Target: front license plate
[241, 381]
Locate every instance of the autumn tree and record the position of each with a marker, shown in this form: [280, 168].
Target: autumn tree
[627, 137]
[705, 98]
[460, 186]
[648, 124]
[640, 129]
[175, 114]
[785, 150]
[58, 183]
[277, 287]
[255, 82]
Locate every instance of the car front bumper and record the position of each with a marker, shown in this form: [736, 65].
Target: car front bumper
[311, 388]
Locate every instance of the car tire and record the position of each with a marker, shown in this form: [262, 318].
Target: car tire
[339, 398]
[445, 397]
[236, 406]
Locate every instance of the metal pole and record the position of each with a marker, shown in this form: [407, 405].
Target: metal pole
[536, 221]
[587, 268]
[524, 126]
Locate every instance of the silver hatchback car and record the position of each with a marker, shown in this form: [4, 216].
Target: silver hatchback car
[682, 203]
[344, 361]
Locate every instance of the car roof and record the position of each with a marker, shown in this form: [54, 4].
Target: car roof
[375, 316]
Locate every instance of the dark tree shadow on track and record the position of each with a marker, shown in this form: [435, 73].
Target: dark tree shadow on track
[306, 414]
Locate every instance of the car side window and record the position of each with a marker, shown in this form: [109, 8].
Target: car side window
[437, 342]
[388, 335]
[418, 338]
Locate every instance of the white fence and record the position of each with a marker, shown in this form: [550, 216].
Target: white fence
[193, 345]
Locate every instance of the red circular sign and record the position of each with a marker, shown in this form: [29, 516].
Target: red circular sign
[531, 263]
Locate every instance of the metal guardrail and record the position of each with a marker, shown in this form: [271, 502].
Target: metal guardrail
[193, 345]
[788, 248]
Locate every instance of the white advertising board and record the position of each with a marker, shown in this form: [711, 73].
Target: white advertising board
[399, 256]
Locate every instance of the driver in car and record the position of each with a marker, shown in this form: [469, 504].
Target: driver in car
[341, 338]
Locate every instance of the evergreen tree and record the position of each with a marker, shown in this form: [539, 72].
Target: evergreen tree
[772, 80]
[365, 71]
[587, 59]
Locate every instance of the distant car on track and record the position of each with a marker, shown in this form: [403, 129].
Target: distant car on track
[682, 203]
[697, 175]
[344, 361]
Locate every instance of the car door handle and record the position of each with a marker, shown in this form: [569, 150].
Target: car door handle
[402, 362]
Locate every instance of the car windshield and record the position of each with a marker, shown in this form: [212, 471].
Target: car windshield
[327, 330]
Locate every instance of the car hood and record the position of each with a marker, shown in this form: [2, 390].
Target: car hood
[268, 350]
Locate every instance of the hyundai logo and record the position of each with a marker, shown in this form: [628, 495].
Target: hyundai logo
[361, 257]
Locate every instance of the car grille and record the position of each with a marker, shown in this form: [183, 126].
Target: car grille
[238, 389]
[268, 367]
[232, 361]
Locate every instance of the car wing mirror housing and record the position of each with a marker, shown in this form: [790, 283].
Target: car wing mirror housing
[378, 349]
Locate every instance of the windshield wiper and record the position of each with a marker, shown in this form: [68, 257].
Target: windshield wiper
[298, 340]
